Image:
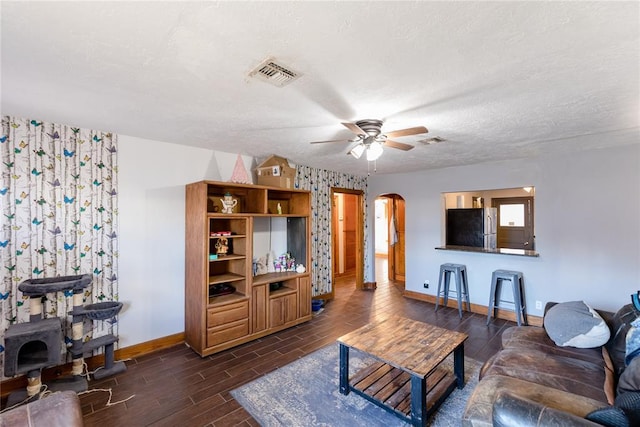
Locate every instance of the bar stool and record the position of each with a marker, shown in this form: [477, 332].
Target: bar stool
[517, 285]
[462, 289]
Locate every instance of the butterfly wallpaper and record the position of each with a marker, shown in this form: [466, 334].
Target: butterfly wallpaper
[58, 197]
[320, 182]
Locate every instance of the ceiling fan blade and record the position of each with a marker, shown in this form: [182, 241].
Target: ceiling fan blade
[333, 140]
[355, 129]
[406, 132]
[398, 145]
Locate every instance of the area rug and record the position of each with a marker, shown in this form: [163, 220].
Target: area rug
[305, 393]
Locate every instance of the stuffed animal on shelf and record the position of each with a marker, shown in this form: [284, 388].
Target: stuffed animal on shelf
[261, 266]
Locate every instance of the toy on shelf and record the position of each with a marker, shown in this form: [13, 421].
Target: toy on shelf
[284, 262]
[222, 246]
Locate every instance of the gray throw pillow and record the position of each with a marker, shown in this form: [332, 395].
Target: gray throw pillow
[629, 380]
[575, 324]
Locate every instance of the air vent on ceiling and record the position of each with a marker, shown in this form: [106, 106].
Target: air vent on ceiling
[433, 140]
[274, 73]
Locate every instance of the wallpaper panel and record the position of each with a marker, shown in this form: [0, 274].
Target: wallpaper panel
[58, 195]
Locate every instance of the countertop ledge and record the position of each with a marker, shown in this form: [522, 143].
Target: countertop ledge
[499, 251]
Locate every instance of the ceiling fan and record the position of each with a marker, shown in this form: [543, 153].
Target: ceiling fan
[370, 138]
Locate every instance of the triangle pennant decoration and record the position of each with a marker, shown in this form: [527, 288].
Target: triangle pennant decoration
[240, 175]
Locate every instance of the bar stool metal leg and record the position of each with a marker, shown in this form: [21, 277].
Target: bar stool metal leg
[517, 300]
[459, 290]
[465, 287]
[440, 277]
[447, 282]
[492, 297]
[518, 291]
[523, 299]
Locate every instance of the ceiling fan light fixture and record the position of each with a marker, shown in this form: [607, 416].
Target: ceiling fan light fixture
[374, 150]
[357, 150]
[369, 138]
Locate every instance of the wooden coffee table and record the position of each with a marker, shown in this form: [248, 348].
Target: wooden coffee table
[407, 379]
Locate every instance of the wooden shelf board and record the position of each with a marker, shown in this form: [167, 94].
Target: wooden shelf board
[282, 291]
[391, 387]
[230, 236]
[227, 258]
[232, 215]
[276, 277]
[226, 299]
[281, 215]
[224, 278]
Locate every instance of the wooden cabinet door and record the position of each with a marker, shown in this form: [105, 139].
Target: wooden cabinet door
[276, 312]
[283, 310]
[396, 242]
[398, 249]
[291, 308]
[304, 296]
[259, 306]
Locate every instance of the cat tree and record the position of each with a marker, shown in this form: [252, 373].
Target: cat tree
[35, 345]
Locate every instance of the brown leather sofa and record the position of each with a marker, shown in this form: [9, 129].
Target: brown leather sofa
[60, 409]
[532, 381]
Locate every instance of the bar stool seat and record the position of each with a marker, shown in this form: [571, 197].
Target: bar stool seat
[517, 286]
[462, 289]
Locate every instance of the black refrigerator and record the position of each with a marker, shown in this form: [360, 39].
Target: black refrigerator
[475, 227]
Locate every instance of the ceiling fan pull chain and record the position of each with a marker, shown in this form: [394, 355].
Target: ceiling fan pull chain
[375, 167]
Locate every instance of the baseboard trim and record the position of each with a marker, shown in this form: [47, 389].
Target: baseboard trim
[475, 308]
[18, 383]
[369, 286]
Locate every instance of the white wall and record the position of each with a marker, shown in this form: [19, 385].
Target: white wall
[587, 224]
[152, 177]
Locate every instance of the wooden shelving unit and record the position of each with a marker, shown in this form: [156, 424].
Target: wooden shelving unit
[215, 322]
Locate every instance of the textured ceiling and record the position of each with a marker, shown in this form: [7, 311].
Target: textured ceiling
[496, 80]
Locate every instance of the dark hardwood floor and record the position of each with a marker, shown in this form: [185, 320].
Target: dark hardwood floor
[175, 387]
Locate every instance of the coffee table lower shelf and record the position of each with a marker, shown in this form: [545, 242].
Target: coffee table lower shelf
[390, 388]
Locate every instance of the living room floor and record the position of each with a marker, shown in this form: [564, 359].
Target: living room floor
[175, 386]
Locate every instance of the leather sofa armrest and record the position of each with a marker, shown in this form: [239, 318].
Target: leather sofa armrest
[511, 410]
